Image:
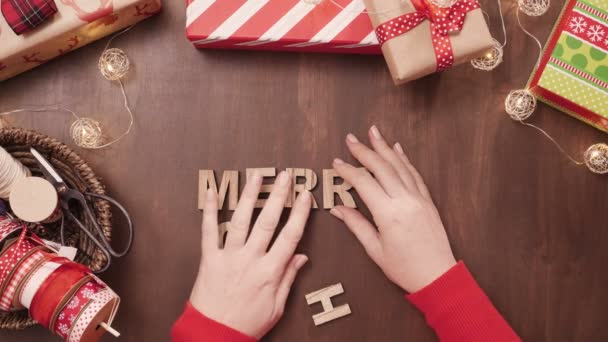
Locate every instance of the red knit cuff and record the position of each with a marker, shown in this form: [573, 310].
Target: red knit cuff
[193, 326]
[458, 309]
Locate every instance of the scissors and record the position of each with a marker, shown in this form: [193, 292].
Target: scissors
[68, 197]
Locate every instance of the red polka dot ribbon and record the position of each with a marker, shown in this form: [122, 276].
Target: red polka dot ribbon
[443, 22]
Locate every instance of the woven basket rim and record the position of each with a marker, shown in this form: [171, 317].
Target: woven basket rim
[18, 140]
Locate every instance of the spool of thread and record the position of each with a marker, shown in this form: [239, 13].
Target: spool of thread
[63, 296]
[34, 199]
[11, 170]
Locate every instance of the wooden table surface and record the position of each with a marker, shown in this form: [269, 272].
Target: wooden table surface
[530, 225]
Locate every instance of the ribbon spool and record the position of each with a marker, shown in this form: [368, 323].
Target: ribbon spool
[63, 296]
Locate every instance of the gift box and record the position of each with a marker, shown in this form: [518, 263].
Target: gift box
[340, 26]
[572, 75]
[74, 24]
[419, 37]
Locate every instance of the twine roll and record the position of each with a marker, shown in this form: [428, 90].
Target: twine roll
[11, 171]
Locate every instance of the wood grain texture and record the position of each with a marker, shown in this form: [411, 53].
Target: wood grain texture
[530, 225]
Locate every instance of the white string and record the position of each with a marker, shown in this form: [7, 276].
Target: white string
[54, 108]
[540, 52]
[540, 45]
[559, 147]
[131, 118]
[116, 35]
[502, 22]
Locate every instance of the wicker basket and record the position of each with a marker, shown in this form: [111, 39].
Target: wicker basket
[77, 174]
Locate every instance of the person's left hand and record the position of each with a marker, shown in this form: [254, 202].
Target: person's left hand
[245, 285]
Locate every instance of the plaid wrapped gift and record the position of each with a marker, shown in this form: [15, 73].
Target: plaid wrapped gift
[25, 15]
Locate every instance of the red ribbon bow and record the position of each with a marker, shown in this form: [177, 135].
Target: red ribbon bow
[443, 22]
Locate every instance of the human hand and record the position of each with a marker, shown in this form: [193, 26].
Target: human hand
[410, 244]
[245, 285]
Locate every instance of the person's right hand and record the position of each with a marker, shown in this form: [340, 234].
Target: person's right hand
[410, 244]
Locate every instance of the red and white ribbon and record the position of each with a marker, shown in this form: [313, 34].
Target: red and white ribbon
[98, 301]
[34, 283]
[8, 296]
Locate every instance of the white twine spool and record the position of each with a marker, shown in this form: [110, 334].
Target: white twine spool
[11, 170]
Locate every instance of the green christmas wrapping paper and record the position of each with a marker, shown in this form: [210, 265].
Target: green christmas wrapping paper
[573, 72]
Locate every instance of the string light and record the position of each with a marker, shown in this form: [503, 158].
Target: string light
[596, 158]
[86, 133]
[114, 64]
[533, 8]
[520, 104]
[491, 59]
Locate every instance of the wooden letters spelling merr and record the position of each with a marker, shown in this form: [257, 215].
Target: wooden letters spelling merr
[329, 312]
[302, 180]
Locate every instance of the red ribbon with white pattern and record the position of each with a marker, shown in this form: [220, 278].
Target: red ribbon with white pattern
[443, 21]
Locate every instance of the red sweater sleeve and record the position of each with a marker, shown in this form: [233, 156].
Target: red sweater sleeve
[193, 326]
[459, 311]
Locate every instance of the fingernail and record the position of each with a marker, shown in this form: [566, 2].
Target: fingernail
[338, 161]
[255, 177]
[283, 178]
[301, 260]
[209, 194]
[337, 213]
[399, 148]
[375, 132]
[352, 138]
[304, 196]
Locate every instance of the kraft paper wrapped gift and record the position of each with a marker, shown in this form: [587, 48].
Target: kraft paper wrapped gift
[412, 53]
[76, 23]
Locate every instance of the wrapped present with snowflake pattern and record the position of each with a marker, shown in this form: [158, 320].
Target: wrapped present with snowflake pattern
[70, 24]
[573, 72]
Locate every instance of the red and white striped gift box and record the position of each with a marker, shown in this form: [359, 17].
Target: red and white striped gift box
[282, 25]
